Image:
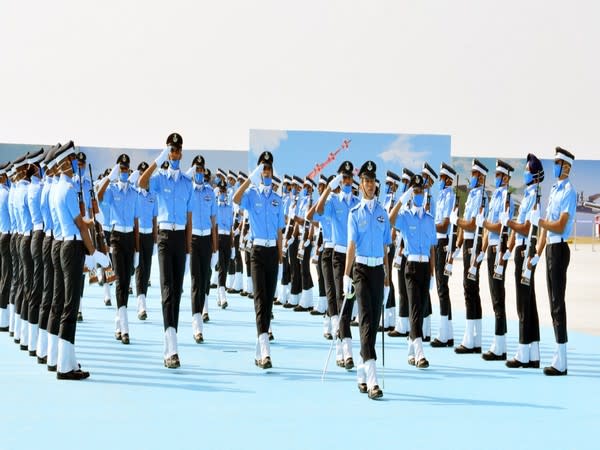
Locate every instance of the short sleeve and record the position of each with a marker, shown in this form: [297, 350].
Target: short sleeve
[352, 227]
[154, 183]
[71, 203]
[245, 202]
[387, 237]
[190, 198]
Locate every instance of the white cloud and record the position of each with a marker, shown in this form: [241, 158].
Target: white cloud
[401, 152]
[261, 140]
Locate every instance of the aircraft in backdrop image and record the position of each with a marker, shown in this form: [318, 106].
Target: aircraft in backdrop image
[330, 158]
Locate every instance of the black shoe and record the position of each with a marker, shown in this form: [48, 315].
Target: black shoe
[125, 339]
[107, 302]
[11, 333]
[233, 291]
[427, 339]
[532, 365]
[72, 375]
[17, 341]
[375, 393]
[422, 364]
[390, 328]
[300, 308]
[462, 350]
[32, 353]
[436, 343]
[340, 363]
[289, 305]
[412, 361]
[395, 333]
[213, 286]
[3, 329]
[514, 363]
[349, 364]
[277, 302]
[491, 356]
[199, 338]
[205, 318]
[172, 363]
[242, 293]
[23, 347]
[43, 360]
[80, 319]
[328, 336]
[265, 363]
[362, 388]
[250, 295]
[130, 292]
[149, 284]
[142, 315]
[354, 323]
[271, 337]
[224, 305]
[315, 312]
[51, 368]
[554, 372]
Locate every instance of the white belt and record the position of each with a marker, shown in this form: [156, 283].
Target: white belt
[38, 227]
[145, 230]
[329, 245]
[555, 239]
[106, 228]
[72, 237]
[27, 233]
[197, 232]
[441, 236]
[170, 226]
[49, 233]
[370, 261]
[340, 248]
[265, 242]
[418, 258]
[469, 235]
[494, 242]
[121, 229]
[224, 231]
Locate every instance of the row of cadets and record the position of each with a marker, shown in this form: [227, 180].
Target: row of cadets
[305, 246]
[392, 182]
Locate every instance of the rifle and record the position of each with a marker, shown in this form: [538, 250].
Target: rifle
[452, 235]
[477, 239]
[289, 227]
[531, 241]
[305, 232]
[500, 263]
[80, 195]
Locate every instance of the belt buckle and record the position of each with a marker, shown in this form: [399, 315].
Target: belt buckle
[371, 261]
[267, 243]
[173, 227]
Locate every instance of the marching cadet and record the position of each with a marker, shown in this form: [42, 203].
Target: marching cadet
[293, 241]
[34, 192]
[224, 222]
[528, 352]
[429, 177]
[557, 227]
[82, 184]
[492, 224]
[443, 209]
[418, 229]
[392, 181]
[319, 240]
[214, 278]
[246, 239]
[234, 281]
[265, 213]
[305, 236]
[173, 193]
[402, 327]
[337, 208]
[204, 247]
[475, 206]
[147, 209]
[5, 259]
[76, 243]
[122, 198]
[105, 219]
[290, 198]
[15, 284]
[366, 265]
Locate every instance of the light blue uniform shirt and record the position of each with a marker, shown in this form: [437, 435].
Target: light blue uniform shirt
[14, 228]
[325, 226]
[265, 212]
[22, 208]
[174, 197]
[526, 207]
[34, 195]
[444, 205]
[472, 207]
[204, 206]
[87, 200]
[123, 201]
[4, 214]
[429, 197]
[147, 208]
[303, 206]
[67, 205]
[563, 199]
[105, 210]
[419, 232]
[53, 205]
[224, 213]
[370, 230]
[45, 204]
[337, 210]
[497, 205]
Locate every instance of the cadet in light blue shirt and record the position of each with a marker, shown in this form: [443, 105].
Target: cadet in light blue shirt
[5, 257]
[225, 239]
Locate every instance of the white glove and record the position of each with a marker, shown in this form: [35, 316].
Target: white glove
[307, 243]
[526, 274]
[214, 259]
[187, 265]
[114, 173]
[386, 294]
[134, 177]
[190, 171]
[479, 257]
[279, 272]
[347, 285]
[454, 216]
[456, 253]
[154, 249]
[504, 218]
[90, 262]
[162, 157]
[431, 283]
[233, 253]
[256, 175]
[101, 259]
[499, 270]
[473, 271]
[406, 196]
[448, 269]
[136, 260]
[479, 220]
[534, 260]
[534, 217]
[506, 255]
[335, 183]
[290, 241]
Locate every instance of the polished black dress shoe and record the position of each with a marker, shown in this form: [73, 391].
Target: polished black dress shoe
[289, 305]
[462, 350]
[23, 347]
[213, 286]
[118, 336]
[32, 353]
[271, 337]
[205, 318]
[142, 315]
[72, 375]
[3, 329]
[551, 371]
[426, 338]
[265, 363]
[315, 312]
[395, 333]
[354, 323]
[532, 364]
[17, 341]
[199, 338]
[375, 393]
[243, 293]
[51, 368]
[362, 388]
[224, 305]
[43, 360]
[422, 364]
[250, 295]
[172, 362]
[107, 302]
[233, 291]
[11, 333]
[491, 356]
[436, 343]
[277, 302]
[388, 329]
[125, 339]
[300, 308]
[328, 336]
[79, 316]
[349, 364]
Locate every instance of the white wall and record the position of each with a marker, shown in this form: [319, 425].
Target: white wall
[502, 77]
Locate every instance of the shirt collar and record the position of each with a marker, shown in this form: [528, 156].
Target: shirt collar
[560, 184]
[368, 204]
[173, 173]
[266, 190]
[122, 186]
[417, 211]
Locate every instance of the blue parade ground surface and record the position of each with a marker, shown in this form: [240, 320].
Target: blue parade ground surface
[219, 399]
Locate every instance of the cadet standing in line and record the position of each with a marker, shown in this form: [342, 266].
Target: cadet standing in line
[5, 259]
[429, 177]
[173, 192]
[391, 186]
[225, 230]
[305, 235]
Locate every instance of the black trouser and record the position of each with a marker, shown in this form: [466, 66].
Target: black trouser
[224, 257]
[6, 270]
[37, 286]
[390, 302]
[558, 257]
[497, 292]
[264, 261]
[171, 263]
[307, 282]
[320, 279]
[368, 282]
[441, 280]
[142, 272]
[402, 293]
[200, 270]
[72, 256]
[471, 287]
[58, 295]
[48, 289]
[235, 264]
[123, 248]
[328, 279]
[529, 323]
[247, 257]
[286, 277]
[27, 271]
[339, 266]
[296, 275]
[15, 282]
[417, 287]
